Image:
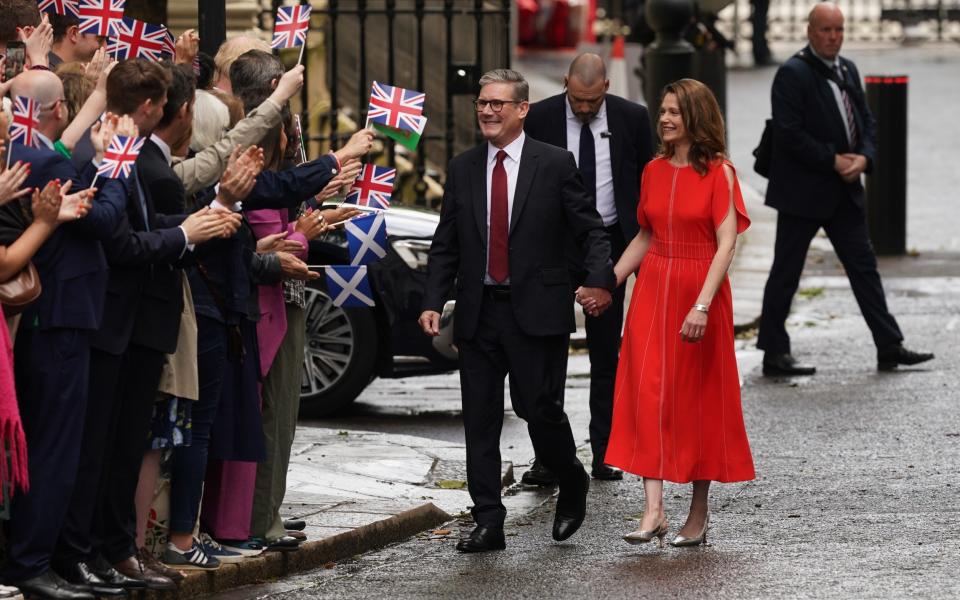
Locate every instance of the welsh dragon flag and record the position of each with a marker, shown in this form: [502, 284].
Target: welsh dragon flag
[397, 113]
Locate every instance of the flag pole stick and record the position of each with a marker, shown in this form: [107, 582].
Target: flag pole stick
[9, 152]
[302, 48]
[94, 182]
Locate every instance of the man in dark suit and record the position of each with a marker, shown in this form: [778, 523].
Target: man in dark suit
[509, 206]
[53, 348]
[611, 140]
[824, 139]
[140, 325]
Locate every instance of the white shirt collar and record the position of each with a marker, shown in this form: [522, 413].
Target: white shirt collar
[513, 149]
[601, 114]
[44, 139]
[834, 63]
[164, 147]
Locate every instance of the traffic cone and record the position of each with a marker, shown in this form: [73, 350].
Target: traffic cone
[617, 70]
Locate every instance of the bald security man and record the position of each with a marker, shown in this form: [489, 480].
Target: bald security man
[611, 140]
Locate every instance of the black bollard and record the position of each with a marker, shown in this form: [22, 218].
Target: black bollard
[886, 192]
[669, 57]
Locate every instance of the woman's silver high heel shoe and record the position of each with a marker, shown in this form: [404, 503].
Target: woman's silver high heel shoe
[642, 537]
[681, 541]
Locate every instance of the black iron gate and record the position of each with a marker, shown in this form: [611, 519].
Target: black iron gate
[440, 47]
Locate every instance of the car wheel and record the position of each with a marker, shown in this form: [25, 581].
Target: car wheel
[339, 355]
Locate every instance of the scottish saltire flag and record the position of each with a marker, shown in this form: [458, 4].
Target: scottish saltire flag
[373, 187]
[291, 25]
[348, 286]
[367, 238]
[135, 39]
[119, 156]
[100, 17]
[26, 120]
[59, 7]
[397, 113]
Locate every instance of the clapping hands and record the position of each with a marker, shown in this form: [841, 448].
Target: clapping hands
[593, 300]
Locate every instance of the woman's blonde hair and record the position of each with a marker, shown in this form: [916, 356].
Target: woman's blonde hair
[211, 120]
[702, 120]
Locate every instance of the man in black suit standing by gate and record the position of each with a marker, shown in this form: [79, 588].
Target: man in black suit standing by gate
[509, 206]
[610, 137]
[824, 138]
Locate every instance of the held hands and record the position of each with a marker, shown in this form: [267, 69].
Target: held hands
[594, 300]
[850, 166]
[430, 322]
[694, 326]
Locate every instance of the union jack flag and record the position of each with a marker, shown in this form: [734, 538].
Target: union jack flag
[60, 7]
[26, 120]
[135, 39]
[397, 108]
[169, 43]
[291, 25]
[119, 156]
[372, 188]
[100, 17]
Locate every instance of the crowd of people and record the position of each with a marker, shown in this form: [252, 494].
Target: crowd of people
[161, 313]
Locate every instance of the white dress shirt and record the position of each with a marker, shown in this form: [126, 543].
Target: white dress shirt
[837, 94]
[606, 204]
[511, 164]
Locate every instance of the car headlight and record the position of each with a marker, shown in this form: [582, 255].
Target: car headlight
[413, 252]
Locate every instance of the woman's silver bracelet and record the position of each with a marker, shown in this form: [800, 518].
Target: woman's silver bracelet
[702, 308]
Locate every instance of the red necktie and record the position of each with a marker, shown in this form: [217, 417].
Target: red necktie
[499, 262]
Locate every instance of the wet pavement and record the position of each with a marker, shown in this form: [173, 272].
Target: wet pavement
[856, 494]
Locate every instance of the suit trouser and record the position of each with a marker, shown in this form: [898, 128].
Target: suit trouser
[115, 523]
[847, 230]
[75, 544]
[51, 372]
[538, 369]
[603, 344]
[281, 405]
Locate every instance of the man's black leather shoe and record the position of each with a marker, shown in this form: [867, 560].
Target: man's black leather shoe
[51, 586]
[111, 576]
[888, 359]
[784, 364]
[81, 576]
[483, 539]
[294, 524]
[539, 475]
[606, 472]
[571, 506]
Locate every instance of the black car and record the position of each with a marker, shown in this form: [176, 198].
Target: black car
[345, 348]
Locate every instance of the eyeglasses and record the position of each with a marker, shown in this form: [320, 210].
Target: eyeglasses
[495, 105]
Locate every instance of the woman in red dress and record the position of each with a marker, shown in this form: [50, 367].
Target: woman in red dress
[677, 414]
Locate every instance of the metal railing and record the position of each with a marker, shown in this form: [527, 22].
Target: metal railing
[440, 47]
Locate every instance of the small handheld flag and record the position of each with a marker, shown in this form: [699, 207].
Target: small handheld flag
[367, 238]
[59, 7]
[372, 188]
[348, 286]
[100, 17]
[119, 156]
[290, 27]
[135, 39]
[397, 113]
[26, 120]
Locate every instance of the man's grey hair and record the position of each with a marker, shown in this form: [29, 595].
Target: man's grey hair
[521, 89]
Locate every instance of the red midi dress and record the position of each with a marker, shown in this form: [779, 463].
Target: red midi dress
[676, 411]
